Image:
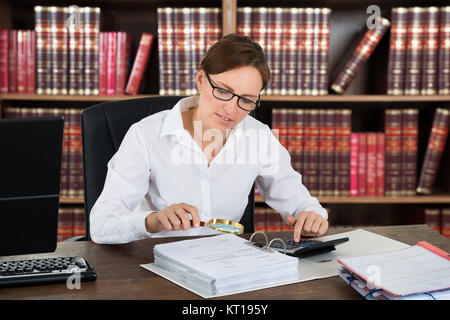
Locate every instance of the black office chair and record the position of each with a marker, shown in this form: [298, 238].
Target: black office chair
[103, 128]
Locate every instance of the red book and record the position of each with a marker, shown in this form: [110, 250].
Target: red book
[342, 153]
[260, 219]
[414, 49]
[280, 125]
[123, 53]
[140, 63]
[102, 63]
[371, 164]
[380, 164]
[362, 164]
[4, 43]
[21, 61]
[111, 64]
[31, 62]
[296, 137]
[12, 62]
[354, 165]
[327, 137]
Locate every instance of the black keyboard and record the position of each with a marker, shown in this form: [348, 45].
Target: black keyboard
[15, 273]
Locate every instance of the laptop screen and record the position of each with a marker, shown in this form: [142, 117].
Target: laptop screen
[30, 168]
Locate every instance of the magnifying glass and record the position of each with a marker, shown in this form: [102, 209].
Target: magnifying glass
[224, 225]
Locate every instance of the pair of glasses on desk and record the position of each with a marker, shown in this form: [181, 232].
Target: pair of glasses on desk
[307, 246]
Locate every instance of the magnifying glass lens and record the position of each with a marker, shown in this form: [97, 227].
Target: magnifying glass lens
[225, 228]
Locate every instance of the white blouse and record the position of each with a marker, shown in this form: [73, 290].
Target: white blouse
[159, 164]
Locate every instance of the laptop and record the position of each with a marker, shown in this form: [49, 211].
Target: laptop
[30, 170]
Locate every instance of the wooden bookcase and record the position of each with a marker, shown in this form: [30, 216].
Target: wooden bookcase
[365, 97]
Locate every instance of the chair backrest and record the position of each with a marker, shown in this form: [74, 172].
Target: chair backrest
[103, 128]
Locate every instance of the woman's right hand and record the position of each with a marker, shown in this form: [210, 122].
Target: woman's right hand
[174, 217]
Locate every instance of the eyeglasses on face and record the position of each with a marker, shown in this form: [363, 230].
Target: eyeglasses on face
[226, 95]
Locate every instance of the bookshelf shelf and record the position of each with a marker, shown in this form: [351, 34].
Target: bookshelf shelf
[326, 98]
[434, 199]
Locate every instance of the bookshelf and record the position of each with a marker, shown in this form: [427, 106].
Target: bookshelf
[365, 97]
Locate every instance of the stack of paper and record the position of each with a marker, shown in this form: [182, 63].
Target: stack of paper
[222, 264]
[417, 272]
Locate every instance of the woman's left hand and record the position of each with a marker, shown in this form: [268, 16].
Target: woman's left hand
[308, 223]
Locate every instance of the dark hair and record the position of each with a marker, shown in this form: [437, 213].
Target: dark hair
[233, 51]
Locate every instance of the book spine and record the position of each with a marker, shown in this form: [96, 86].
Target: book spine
[433, 218]
[270, 49]
[260, 219]
[296, 138]
[326, 153]
[311, 151]
[354, 153]
[300, 50]
[65, 154]
[121, 63]
[380, 164]
[397, 51]
[31, 62]
[430, 51]
[371, 164]
[444, 51]
[277, 32]
[274, 220]
[280, 125]
[446, 222]
[324, 48]
[198, 44]
[75, 34]
[43, 49]
[178, 54]
[65, 221]
[78, 222]
[12, 61]
[164, 45]
[315, 52]
[284, 50]
[393, 154]
[91, 24]
[21, 61]
[342, 153]
[58, 16]
[308, 52]
[4, 77]
[414, 51]
[410, 119]
[259, 29]
[433, 154]
[103, 63]
[291, 29]
[140, 63]
[75, 155]
[362, 164]
[111, 64]
[363, 51]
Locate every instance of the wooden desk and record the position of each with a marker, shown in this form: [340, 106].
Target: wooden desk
[119, 275]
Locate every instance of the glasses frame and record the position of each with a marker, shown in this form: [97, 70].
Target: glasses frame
[257, 103]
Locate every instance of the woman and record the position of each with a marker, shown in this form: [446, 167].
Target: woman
[199, 160]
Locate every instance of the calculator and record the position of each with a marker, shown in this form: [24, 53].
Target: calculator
[306, 246]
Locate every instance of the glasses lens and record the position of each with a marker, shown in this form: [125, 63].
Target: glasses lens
[246, 104]
[222, 94]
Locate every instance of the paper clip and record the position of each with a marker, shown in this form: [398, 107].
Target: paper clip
[265, 247]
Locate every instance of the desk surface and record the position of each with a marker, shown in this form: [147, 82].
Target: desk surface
[119, 275]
